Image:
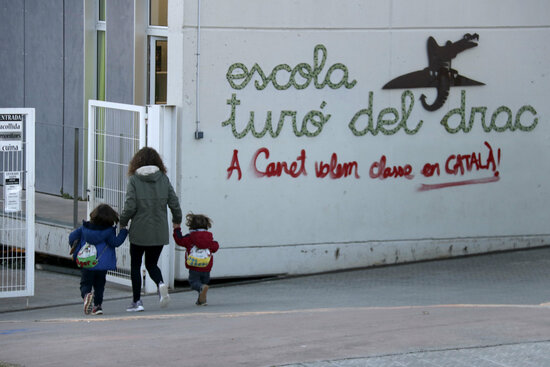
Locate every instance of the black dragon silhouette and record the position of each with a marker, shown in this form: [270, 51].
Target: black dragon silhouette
[439, 73]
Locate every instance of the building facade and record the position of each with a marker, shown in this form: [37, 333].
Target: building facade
[318, 135]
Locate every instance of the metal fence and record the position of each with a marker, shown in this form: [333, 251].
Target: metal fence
[115, 133]
[17, 164]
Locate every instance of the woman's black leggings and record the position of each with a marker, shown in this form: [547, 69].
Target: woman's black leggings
[152, 254]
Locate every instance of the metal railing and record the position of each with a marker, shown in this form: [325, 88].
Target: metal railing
[17, 165]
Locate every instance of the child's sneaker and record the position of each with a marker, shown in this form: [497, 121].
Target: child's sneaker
[88, 303]
[201, 301]
[136, 306]
[97, 310]
[164, 296]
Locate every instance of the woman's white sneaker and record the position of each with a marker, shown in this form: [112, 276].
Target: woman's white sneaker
[164, 296]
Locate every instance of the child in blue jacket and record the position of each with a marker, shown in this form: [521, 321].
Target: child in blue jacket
[100, 231]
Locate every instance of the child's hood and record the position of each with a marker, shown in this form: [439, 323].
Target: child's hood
[95, 234]
[201, 238]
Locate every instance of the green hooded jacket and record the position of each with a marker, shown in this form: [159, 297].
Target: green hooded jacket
[148, 194]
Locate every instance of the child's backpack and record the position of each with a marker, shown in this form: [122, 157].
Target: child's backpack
[198, 257]
[87, 256]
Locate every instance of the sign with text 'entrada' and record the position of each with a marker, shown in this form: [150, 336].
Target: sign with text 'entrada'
[11, 132]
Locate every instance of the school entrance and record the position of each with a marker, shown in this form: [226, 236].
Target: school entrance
[115, 133]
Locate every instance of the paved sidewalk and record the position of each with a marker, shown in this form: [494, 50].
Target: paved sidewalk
[55, 289]
[513, 355]
[483, 311]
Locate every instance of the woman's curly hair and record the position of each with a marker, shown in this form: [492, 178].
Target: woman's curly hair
[146, 156]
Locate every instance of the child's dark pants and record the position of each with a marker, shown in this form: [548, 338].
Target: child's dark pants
[197, 279]
[95, 279]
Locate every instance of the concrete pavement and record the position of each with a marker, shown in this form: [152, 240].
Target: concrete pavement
[56, 210]
[489, 310]
[511, 355]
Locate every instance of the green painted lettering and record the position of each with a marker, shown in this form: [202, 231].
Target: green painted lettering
[238, 75]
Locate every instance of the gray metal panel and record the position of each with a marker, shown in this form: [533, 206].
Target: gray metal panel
[120, 51]
[74, 63]
[74, 92]
[44, 87]
[12, 54]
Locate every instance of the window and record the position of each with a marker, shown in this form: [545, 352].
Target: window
[160, 48]
[101, 16]
[158, 51]
[158, 13]
[100, 92]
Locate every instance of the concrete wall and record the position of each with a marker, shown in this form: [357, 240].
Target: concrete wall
[41, 66]
[120, 51]
[12, 65]
[269, 223]
[74, 93]
[320, 220]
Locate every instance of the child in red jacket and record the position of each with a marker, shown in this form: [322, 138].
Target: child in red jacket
[199, 246]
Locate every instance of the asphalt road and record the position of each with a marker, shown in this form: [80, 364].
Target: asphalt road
[490, 310]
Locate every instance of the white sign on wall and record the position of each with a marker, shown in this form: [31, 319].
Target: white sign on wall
[11, 132]
[12, 192]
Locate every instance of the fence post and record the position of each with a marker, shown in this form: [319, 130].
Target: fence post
[75, 180]
[161, 130]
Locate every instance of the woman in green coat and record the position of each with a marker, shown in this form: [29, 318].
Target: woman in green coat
[148, 194]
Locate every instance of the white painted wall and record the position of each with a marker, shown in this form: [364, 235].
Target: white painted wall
[268, 225]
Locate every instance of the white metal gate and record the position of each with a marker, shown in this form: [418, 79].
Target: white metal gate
[115, 133]
[17, 163]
